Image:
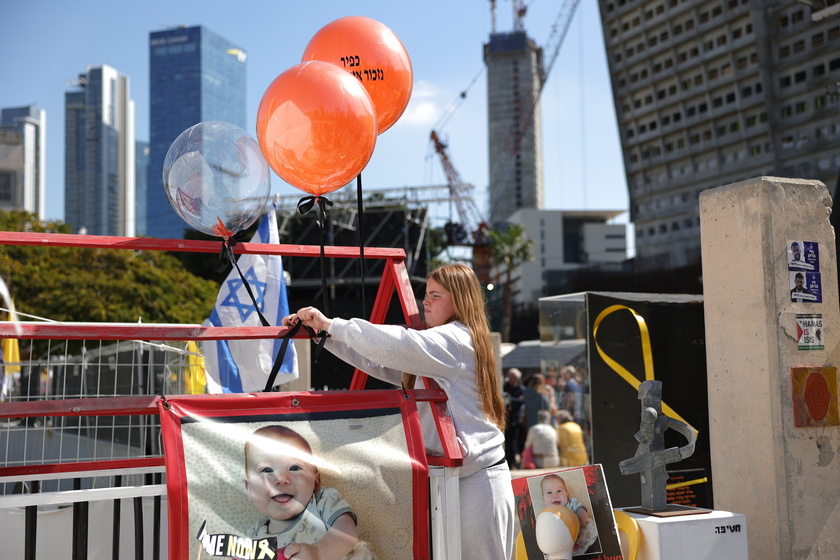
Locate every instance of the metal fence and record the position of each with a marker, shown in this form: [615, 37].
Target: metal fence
[61, 445]
[82, 474]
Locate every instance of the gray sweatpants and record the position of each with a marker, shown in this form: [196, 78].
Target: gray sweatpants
[488, 524]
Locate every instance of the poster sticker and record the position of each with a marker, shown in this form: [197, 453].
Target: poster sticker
[815, 396]
[806, 287]
[810, 334]
[803, 255]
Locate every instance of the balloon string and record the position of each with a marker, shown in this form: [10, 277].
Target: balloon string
[320, 203]
[228, 247]
[324, 271]
[362, 264]
[278, 360]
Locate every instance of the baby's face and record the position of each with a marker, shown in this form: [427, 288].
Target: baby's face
[554, 492]
[279, 480]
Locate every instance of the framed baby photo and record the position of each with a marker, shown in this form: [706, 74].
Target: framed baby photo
[566, 514]
[263, 476]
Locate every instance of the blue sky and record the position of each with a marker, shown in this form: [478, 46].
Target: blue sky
[46, 43]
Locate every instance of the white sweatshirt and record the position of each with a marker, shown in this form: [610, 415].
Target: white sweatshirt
[445, 354]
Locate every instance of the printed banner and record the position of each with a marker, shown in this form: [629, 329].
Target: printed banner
[541, 503]
[266, 475]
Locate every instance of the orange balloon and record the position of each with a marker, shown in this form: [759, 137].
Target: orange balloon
[316, 127]
[372, 52]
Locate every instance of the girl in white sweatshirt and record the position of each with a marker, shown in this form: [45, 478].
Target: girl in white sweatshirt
[455, 351]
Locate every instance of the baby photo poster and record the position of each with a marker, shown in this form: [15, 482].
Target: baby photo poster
[575, 498]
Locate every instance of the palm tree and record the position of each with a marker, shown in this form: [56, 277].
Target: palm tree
[509, 249]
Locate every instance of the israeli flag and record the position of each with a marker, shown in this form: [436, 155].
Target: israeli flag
[243, 366]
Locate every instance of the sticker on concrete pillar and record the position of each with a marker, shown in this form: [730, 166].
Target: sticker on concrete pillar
[806, 287]
[815, 396]
[803, 255]
[810, 334]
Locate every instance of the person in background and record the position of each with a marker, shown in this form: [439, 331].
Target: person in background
[542, 439]
[535, 399]
[547, 389]
[514, 406]
[455, 351]
[570, 440]
[573, 392]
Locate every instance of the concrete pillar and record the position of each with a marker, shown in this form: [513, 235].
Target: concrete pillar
[784, 478]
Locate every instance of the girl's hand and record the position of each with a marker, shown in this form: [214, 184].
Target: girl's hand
[310, 317]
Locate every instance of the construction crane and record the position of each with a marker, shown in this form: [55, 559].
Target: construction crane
[553, 44]
[472, 229]
[519, 10]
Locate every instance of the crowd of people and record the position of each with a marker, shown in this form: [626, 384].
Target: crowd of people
[546, 419]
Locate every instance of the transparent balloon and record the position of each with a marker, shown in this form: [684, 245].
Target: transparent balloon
[216, 178]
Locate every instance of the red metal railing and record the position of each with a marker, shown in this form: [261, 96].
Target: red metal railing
[394, 280]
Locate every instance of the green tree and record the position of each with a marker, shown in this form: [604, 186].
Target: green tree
[509, 249]
[99, 285]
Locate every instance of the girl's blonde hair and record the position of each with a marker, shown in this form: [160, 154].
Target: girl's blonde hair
[468, 299]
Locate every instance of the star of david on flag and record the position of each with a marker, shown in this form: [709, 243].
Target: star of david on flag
[246, 307]
[243, 366]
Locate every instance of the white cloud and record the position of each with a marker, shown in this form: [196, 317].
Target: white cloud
[426, 104]
[421, 113]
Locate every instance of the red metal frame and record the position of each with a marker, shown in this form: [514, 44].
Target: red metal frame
[394, 279]
[275, 405]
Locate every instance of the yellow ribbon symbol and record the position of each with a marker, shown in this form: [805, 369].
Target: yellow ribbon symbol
[647, 356]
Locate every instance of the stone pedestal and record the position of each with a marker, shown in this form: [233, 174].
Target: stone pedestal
[782, 473]
[717, 534]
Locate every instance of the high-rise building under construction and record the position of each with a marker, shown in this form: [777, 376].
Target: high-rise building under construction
[514, 78]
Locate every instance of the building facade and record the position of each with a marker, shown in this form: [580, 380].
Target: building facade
[99, 136]
[23, 133]
[712, 92]
[141, 166]
[564, 241]
[194, 76]
[514, 124]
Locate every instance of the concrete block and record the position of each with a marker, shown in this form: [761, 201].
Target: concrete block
[716, 535]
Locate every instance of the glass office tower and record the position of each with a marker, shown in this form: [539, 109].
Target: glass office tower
[23, 134]
[194, 76]
[99, 154]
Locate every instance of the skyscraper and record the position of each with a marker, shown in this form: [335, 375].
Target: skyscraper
[99, 154]
[711, 92]
[141, 166]
[23, 133]
[514, 71]
[194, 76]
